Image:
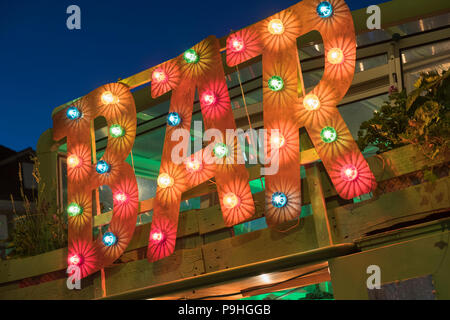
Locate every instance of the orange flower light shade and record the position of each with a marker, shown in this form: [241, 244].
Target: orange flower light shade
[115, 103]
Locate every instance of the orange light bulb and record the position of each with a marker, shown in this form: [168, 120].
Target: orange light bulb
[193, 165]
[276, 26]
[277, 140]
[335, 56]
[73, 161]
[230, 200]
[109, 98]
[311, 102]
[165, 181]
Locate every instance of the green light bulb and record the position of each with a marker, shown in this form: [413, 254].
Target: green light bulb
[74, 209]
[220, 150]
[276, 83]
[190, 56]
[328, 134]
[116, 131]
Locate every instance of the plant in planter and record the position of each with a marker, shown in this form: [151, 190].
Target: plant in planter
[38, 230]
[421, 118]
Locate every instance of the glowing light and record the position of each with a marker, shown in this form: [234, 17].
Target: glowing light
[159, 76]
[165, 181]
[324, 9]
[73, 161]
[109, 98]
[220, 150]
[109, 239]
[190, 56]
[276, 83]
[102, 167]
[266, 278]
[237, 44]
[230, 200]
[349, 172]
[209, 98]
[279, 200]
[276, 26]
[335, 56]
[73, 113]
[173, 119]
[311, 102]
[75, 260]
[74, 209]
[121, 197]
[116, 131]
[277, 140]
[157, 236]
[193, 165]
[328, 135]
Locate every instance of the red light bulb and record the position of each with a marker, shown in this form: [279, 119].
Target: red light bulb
[349, 172]
[121, 197]
[209, 98]
[75, 260]
[157, 237]
[159, 75]
[237, 44]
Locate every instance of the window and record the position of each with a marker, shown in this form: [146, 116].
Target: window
[435, 56]
[357, 112]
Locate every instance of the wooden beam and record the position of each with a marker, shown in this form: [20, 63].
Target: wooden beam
[353, 221]
[319, 207]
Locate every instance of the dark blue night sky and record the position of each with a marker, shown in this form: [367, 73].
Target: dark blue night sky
[43, 64]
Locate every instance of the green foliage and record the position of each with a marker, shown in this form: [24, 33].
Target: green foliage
[37, 230]
[421, 118]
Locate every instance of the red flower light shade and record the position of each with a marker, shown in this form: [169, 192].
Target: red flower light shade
[85, 254]
[242, 46]
[351, 176]
[215, 101]
[165, 78]
[163, 235]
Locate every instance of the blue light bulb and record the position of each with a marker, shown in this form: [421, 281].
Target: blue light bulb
[279, 199]
[324, 9]
[173, 119]
[73, 113]
[109, 239]
[102, 167]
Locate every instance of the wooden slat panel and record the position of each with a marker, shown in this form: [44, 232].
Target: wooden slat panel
[138, 274]
[414, 202]
[252, 286]
[397, 162]
[54, 290]
[258, 246]
[16, 269]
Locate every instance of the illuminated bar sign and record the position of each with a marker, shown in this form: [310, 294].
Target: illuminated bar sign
[200, 68]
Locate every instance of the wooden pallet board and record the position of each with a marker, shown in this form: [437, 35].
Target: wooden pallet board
[138, 274]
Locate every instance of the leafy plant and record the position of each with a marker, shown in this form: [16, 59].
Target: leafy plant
[37, 230]
[421, 118]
